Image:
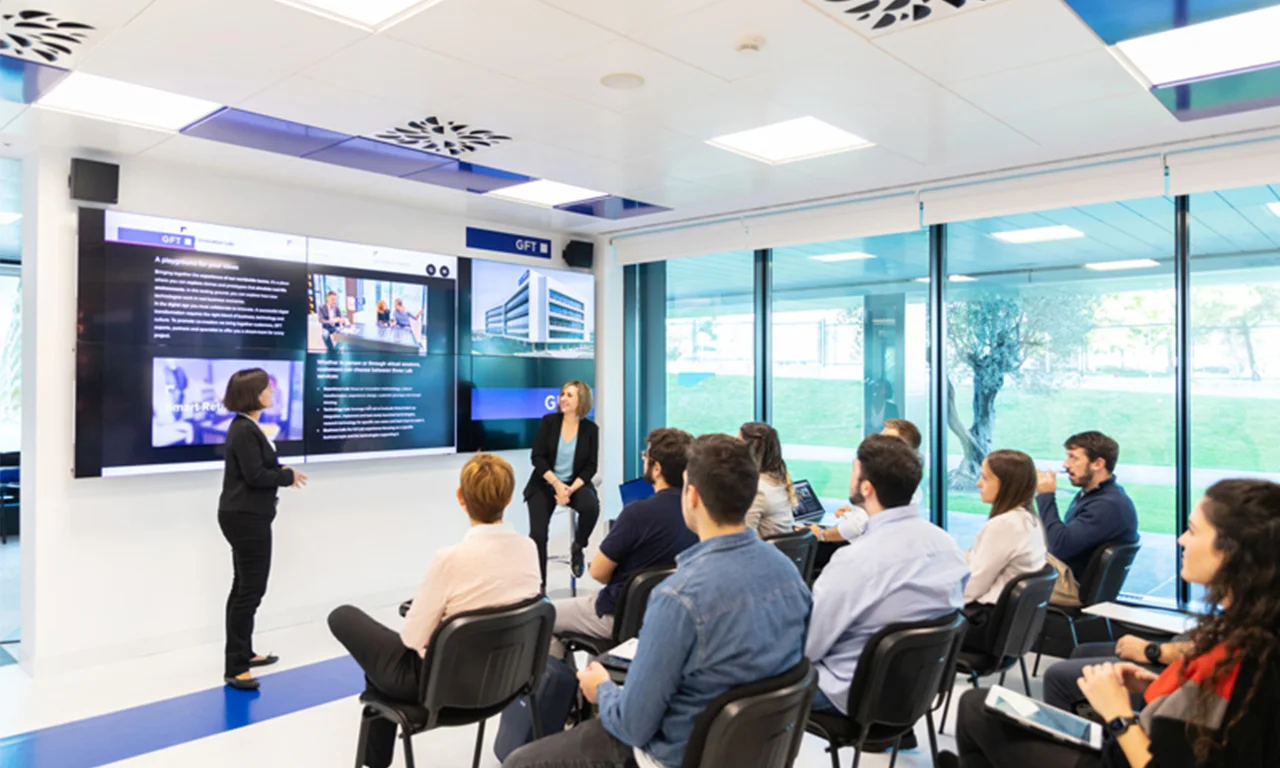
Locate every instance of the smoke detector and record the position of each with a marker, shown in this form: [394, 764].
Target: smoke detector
[749, 44]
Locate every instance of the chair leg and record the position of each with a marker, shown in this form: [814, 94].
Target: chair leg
[857, 749]
[893, 757]
[1026, 681]
[1035, 671]
[933, 736]
[946, 708]
[834, 751]
[408, 747]
[475, 761]
[1111, 635]
[534, 720]
[1003, 672]
[362, 741]
[1075, 638]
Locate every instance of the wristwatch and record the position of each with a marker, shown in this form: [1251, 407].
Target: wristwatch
[1120, 725]
[1152, 652]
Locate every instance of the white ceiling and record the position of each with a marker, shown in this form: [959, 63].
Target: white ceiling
[1002, 84]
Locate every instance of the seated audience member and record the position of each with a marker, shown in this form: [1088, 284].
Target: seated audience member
[384, 314]
[733, 613]
[492, 566]
[1216, 706]
[773, 511]
[1010, 544]
[649, 532]
[1101, 513]
[1061, 690]
[904, 568]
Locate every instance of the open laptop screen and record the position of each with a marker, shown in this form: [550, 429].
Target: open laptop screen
[635, 490]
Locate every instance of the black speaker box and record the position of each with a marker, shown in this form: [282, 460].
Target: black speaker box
[95, 182]
[579, 254]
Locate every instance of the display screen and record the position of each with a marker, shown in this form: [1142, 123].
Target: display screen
[359, 343]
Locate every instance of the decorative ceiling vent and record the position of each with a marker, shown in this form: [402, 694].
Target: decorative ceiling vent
[39, 33]
[876, 17]
[445, 137]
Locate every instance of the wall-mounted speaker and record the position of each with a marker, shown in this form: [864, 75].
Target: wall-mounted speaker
[95, 182]
[579, 254]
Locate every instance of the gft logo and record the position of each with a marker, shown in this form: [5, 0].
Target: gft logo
[551, 402]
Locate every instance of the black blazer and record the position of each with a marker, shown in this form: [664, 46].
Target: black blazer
[547, 444]
[252, 475]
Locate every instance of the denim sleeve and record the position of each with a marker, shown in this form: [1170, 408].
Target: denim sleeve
[633, 713]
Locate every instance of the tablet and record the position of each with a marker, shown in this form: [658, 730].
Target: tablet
[1051, 721]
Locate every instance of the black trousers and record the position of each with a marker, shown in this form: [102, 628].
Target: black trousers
[986, 740]
[542, 505]
[390, 669]
[249, 535]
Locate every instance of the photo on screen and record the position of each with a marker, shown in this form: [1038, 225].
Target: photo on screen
[519, 311]
[186, 400]
[352, 314]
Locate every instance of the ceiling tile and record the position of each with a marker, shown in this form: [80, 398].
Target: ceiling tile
[104, 16]
[1084, 77]
[311, 102]
[612, 136]
[674, 193]
[221, 50]
[694, 161]
[627, 17]
[508, 36]
[391, 69]
[58, 129]
[707, 38]
[1103, 125]
[547, 162]
[1004, 36]
[862, 168]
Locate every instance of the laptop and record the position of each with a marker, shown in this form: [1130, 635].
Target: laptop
[635, 490]
[808, 507]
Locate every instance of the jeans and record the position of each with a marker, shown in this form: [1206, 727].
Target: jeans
[1060, 689]
[986, 740]
[542, 505]
[823, 704]
[390, 669]
[249, 535]
[585, 746]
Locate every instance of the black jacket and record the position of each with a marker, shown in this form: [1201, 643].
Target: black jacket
[547, 443]
[253, 474]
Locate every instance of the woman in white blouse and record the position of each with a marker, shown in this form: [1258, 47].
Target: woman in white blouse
[773, 511]
[1010, 544]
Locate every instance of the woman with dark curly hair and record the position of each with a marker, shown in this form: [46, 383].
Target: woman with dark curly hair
[1217, 706]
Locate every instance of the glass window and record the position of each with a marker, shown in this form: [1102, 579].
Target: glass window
[1057, 336]
[10, 360]
[850, 333]
[711, 342]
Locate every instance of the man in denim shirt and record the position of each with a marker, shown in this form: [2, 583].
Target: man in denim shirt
[733, 613]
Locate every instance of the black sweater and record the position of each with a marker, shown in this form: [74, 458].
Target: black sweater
[253, 474]
[547, 444]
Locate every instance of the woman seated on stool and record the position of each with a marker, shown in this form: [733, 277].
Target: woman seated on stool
[564, 466]
[1010, 544]
[773, 511]
[1216, 707]
[492, 566]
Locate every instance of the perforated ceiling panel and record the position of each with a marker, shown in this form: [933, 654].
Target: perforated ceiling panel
[40, 35]
[445, 137]
[878, 17]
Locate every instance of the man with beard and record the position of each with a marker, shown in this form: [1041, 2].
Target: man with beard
[649, 532]
[1101, 513]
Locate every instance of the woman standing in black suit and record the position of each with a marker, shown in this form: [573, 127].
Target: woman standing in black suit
[564, 465]
[250, 482]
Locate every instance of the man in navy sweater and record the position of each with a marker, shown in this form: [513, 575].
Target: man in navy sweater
[1101, 513]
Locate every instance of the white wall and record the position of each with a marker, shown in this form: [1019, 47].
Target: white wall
[121, 567]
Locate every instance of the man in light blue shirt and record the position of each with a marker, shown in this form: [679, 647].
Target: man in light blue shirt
[733, 613]
[903, 569]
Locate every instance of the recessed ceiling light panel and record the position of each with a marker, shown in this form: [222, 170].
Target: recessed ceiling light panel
[848, 256]
[121, 102]
[547, 194]
[369, 15]
[1038, 234]
[787, 142]
[1240, 43]
[1115, 266]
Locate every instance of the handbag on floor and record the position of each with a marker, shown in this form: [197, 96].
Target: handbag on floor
[554, 697]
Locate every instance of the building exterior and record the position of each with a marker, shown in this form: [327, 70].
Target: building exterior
[542, 310]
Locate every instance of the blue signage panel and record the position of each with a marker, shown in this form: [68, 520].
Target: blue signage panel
[167, 239]
[531, 403]
[506, 242]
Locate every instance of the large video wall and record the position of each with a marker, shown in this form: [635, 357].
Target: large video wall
[371, 351]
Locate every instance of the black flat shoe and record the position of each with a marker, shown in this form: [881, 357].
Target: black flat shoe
[265, 661]
[242, 685]
[575, 561]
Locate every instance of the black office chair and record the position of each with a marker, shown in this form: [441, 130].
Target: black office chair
[477, 663]
[801, 547]
[1019, 614]
[628, 614]
[1103, 579]
[758, 725]
[899, 676]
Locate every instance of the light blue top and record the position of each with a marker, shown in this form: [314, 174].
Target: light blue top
[564, 459]
[904, 568]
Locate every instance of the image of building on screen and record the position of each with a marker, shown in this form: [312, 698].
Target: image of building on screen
[529, 312]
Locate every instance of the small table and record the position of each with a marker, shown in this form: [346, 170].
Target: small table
[1149, 618]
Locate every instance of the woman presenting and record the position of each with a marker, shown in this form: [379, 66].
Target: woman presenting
[250, 482]
[564, 465]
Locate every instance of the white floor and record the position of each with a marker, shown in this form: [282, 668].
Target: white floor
[321, 736]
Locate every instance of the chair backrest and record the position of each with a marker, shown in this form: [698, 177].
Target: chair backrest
[801, 547]
[759, 725]
[1107, 570]
[628, 615]
[901, 671]
[1021, 610]
[484, 659]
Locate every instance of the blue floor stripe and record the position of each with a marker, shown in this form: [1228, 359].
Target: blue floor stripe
[161, 724]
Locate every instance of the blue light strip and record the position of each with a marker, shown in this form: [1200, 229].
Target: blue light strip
[1118, 20]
